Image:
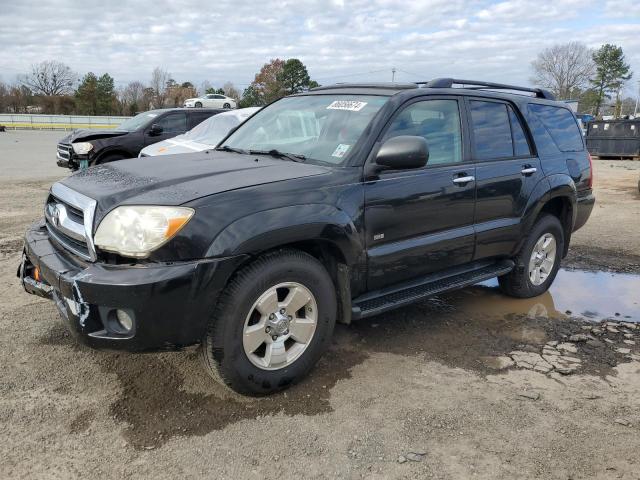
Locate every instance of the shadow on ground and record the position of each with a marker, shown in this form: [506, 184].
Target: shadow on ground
[460, 330]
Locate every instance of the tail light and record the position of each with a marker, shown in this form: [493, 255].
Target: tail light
[590, 171]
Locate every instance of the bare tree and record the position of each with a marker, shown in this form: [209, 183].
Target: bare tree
[204, 86]
[231, 91]
[50, 78]
[159, 79]
[564, 68]
[131, 97]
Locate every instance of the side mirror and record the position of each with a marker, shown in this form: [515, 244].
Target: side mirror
[403, 152]
[155, 129]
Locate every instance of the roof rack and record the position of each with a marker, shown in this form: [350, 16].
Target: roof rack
[449, 82]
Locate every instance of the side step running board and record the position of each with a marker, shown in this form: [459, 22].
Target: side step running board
[368, 305]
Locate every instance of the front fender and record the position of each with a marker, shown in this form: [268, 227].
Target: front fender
[272, 228]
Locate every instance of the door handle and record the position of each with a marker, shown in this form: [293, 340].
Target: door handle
[528, 170]
[466, 179]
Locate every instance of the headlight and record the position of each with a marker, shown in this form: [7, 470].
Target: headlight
[135, 231]
[82, 148]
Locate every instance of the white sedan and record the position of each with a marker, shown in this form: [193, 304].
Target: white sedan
[210, 100]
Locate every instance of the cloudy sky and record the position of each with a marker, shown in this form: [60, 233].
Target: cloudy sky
[338, 40]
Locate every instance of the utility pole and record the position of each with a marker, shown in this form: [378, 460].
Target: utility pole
[393, 74]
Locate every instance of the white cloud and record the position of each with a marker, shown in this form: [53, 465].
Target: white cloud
[338, 41]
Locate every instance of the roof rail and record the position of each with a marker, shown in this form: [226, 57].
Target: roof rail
[449, 82]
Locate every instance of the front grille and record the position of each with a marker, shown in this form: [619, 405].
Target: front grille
[69, 220]
[64, 151]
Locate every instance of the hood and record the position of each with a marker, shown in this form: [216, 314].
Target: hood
[87, 135]
[173, 146]
[178, 179]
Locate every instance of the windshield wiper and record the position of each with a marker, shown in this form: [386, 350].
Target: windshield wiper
[227, 148]
[294, 157]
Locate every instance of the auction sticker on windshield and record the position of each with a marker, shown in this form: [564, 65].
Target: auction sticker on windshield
[340, 150]
[351, 105]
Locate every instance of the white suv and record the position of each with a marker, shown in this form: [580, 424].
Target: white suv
[211, 100]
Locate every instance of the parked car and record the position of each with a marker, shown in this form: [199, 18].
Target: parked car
[212, 100]
[202, 137]
[91, 147]
[390, 194]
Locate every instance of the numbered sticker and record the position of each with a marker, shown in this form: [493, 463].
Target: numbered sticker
[350, 105]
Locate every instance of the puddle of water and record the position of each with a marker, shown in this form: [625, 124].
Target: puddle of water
[593, 296]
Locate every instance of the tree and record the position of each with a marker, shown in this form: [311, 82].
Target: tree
[563, 68]
[49, 78]
[178, 93]
[105, 95]
[250, 98]
[87, 95]
[131, 98]
[611, 73]
[231, 91]
[4, 96]
[159, 79]
[266, 86]
[293, 77]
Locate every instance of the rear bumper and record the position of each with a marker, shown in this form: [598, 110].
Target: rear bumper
[584, 206]
[170, 303]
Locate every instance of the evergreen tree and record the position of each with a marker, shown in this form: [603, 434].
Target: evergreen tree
[611, 73]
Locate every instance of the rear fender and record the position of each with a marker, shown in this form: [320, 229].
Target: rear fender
[553, 186]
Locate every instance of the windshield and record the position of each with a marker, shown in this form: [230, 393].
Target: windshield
[322, 128]
[215, 128]
[138, 121]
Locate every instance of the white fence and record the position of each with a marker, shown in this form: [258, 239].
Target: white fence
[57, 122]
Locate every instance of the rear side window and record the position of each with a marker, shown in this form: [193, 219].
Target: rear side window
[561, 126]
[174, 122]
[520, 144]
[491, 130]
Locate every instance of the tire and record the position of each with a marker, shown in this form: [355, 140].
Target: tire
[532, 277]
[198, 105]
[226, 105]
[242, 368]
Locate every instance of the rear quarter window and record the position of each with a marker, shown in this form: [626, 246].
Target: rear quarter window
[560, 125]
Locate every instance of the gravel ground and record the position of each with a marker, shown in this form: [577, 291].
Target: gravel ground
[469, 384]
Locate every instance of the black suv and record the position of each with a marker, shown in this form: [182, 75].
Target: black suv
[93, 147]
[332, 205]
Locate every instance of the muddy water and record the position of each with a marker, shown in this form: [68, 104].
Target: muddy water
[593, 296]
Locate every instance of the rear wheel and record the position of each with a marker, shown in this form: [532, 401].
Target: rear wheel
[272, 323]
[226, 105]
[538, 262]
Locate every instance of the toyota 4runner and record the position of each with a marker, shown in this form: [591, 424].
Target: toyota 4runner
[378, 195]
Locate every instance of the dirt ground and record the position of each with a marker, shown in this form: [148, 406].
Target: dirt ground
[465, 385]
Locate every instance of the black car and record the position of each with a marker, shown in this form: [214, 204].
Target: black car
[335, 204]
[93, 147]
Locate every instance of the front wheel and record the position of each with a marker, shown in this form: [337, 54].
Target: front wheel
[538, 262]
[272, 323]
[198, 104]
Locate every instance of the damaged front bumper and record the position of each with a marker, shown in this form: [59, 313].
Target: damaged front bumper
[169, 303]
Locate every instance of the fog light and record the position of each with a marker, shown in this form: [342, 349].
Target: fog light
[124, 320]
